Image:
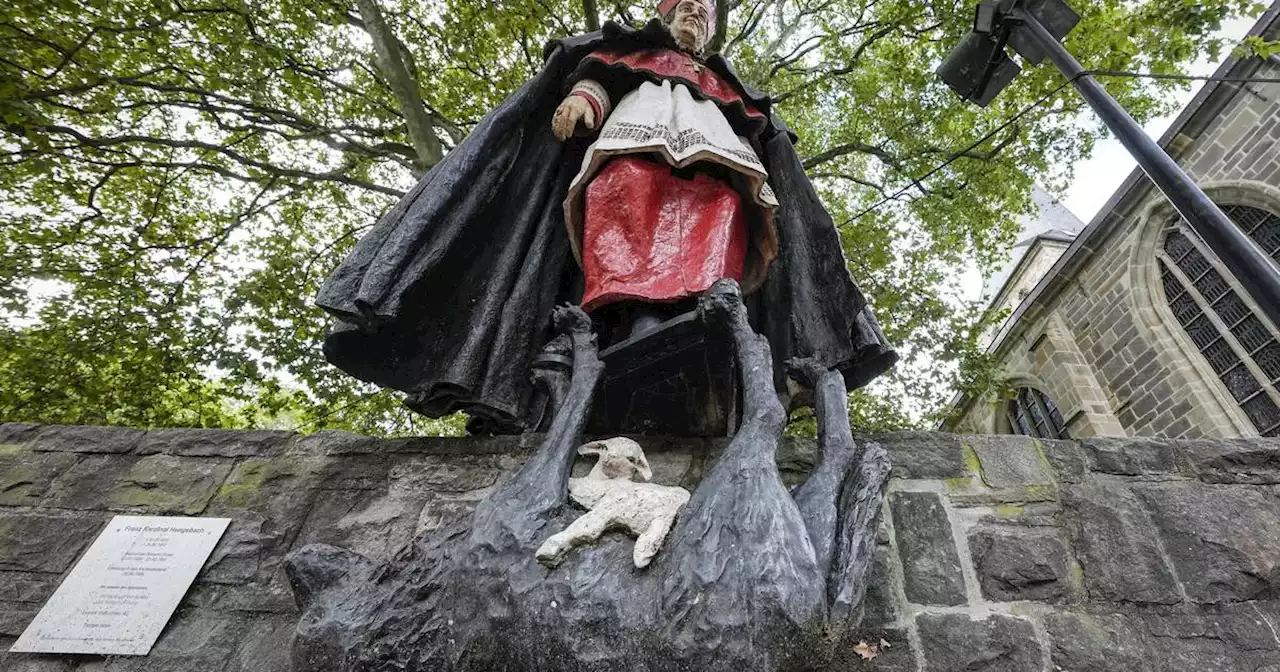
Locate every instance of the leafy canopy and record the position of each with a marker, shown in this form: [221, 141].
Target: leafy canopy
[177, 177]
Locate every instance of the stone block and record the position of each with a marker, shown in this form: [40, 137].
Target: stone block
[266, 646]
[1236, 638]
[83, 439]
[196, 640]
[1019, 563]
[374, 504]
[955, 643]
[242, 551]
[930, 562]
[1009, 462]
[338, 443]
[1224, 541]
[1116, 545]
[86, 484]
[24, 662]
[268, 592]
[26, 587]
[165, 484]
[26, 477]
[879, 603]
[1133, 457]
[924, 455]
[13, 620]
[17, 433]
[1066, 460]
[45, 542]
[1235, 461]
[279, 489]
[1095, 643]
[213, 442]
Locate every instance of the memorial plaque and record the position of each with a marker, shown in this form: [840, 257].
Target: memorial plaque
[122, 592]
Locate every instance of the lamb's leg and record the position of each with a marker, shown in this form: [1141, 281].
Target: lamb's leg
[817, 498]
[542, 485]
[651, 539]
[585, 529]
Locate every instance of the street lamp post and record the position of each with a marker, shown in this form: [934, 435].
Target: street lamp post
[1022, 27]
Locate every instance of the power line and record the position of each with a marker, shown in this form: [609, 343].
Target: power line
[955, 156]
[1026, 110]
[1187, 78]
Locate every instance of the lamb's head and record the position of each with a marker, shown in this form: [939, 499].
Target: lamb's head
[617, 459]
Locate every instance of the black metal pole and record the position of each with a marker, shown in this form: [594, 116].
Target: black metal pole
[1250, 264]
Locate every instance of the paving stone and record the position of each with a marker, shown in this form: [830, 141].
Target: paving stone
[1009, 462]
[84, 439]
[930, 563]
[1095, 643]
[45, 542]
[165, 484]
[924, 455]
[1016, 563]
[1116, 545]
[1134, 457]
[26, 477]
[955, 643]
[1224, 541]
[213, 442]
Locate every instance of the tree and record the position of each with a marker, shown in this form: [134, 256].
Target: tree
[177, 176]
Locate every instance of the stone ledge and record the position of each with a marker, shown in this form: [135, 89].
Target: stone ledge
[1019, 551]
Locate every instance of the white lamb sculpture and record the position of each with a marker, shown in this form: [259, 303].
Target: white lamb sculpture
[614, 501]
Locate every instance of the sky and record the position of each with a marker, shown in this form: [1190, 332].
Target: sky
[1097, 178]
[1101, 175]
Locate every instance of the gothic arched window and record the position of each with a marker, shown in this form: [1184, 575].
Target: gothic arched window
[1242, 346]
[1032, 413]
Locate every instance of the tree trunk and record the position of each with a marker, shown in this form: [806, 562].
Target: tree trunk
[391, 64]
[722, 27]
[593, 15]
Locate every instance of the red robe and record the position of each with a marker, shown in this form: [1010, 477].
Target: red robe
[651, 233]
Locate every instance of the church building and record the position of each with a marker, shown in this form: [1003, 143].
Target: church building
[1131, 326]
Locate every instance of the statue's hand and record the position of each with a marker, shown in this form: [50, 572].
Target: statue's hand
[567, 116]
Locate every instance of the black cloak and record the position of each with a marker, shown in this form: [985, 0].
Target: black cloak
[448, 298]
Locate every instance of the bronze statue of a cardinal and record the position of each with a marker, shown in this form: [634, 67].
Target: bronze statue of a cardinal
[627, 177]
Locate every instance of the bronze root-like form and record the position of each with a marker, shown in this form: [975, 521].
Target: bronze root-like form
[751, 578]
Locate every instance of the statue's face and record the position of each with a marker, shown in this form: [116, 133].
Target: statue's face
[691, 24]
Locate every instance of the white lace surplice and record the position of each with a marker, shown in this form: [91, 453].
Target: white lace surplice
[665, 119]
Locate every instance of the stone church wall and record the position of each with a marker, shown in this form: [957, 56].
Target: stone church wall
[1106, 348]
[996, 553]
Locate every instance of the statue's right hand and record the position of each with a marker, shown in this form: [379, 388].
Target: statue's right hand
[567, 116]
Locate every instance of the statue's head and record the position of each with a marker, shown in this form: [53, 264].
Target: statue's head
[691, 22]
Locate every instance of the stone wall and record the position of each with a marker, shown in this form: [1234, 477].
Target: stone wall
[997, 553]
[1106, 347]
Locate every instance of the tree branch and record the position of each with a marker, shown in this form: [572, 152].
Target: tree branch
[722, 27]
[592, 13]
[391, 63]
